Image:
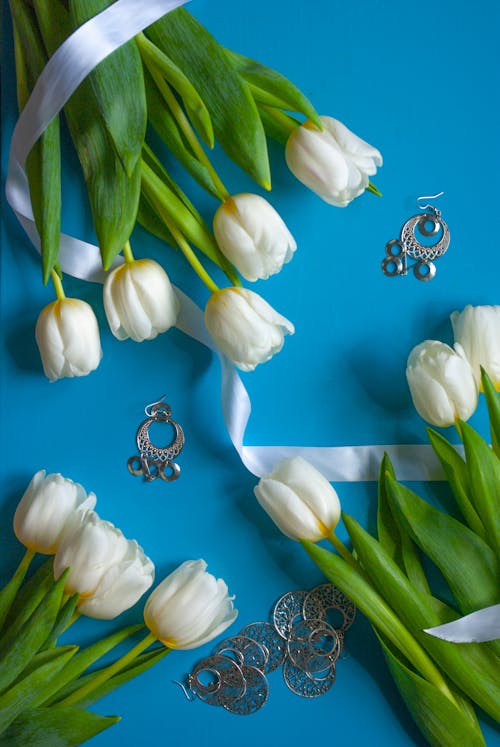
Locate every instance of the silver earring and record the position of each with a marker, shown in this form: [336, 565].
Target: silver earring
[428, 223]
[153, 461]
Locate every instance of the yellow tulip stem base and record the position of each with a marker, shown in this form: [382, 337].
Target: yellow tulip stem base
[127, 253]
[109, 672]
[58, 286]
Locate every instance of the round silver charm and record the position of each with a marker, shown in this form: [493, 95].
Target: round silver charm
[313, 646]
[217, 680]
[327, 597]
[287, 609]
[273, 644]
[251, 652]
[418, 251]
[305, 684]
[255, 695]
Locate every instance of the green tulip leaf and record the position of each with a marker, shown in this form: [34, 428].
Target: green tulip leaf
[235, 118]
[43, 165]
[65, 681]
[30, 595]
[194, 104]
[20, 696]
[42, 658]
[472, 667]
[63, 620]
[10, 590]
[113, 194]
[493, 403]
[483, 467]
[163, 122]
[149, 220]
[268, 83]
[141, 664]
[18, 647]
[456, 474]
[442, 723]
[465, 560]
[393, 535]
[277, 124]
[117, 85]
[55, 727]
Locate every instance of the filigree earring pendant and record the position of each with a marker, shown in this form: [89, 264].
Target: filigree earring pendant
[157, 461]
[428, 223]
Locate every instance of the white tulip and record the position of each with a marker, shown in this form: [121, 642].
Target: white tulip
[245, 327]
[139, 300]
[45, 508]
[477, 338]
[107, 571]
[190, 607]
[67, 336]
[252, 236]
[300, 500]
[335, 163]
[441, 383]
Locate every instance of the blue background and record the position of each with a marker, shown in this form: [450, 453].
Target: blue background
[419, 82]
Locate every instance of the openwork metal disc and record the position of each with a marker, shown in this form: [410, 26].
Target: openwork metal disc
[305, 684]
[287, 609]
[313, 646]
[273, 644]
[255, 695]
[420, 251]
[217, 680]
[327, 597]
[252, 653]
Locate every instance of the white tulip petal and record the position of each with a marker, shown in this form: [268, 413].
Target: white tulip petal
[335, 163]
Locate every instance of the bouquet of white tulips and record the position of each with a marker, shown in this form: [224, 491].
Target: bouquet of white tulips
[192, 91]
[439, 680]
[95, 571]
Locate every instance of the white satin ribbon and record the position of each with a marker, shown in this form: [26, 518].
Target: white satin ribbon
[69, 65]
[478, 627]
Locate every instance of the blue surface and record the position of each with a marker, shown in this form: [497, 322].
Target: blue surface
[420, 83]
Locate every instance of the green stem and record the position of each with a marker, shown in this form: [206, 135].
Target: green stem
[144, 44]
[192, 258]
[109, 672]
[155, 198]
[58, 286]
[285, 122]
[343, 551]
[127, 253]
[74, 617]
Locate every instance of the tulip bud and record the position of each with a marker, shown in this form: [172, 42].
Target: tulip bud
[45, 508]
[190, 607]
[299, 500]
[251, 234]
[441, 383]
[335, 163]
[477, 338]
[245, 327]
[139, 300]
[107, 571]
[67, 336]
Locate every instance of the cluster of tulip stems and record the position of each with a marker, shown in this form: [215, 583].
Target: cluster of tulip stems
[191, 91]
[387, 575]
[92, 570]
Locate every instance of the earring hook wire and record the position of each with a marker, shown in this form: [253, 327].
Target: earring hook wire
[427, 197]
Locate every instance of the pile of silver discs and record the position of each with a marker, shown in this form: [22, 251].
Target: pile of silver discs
[299, 639]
